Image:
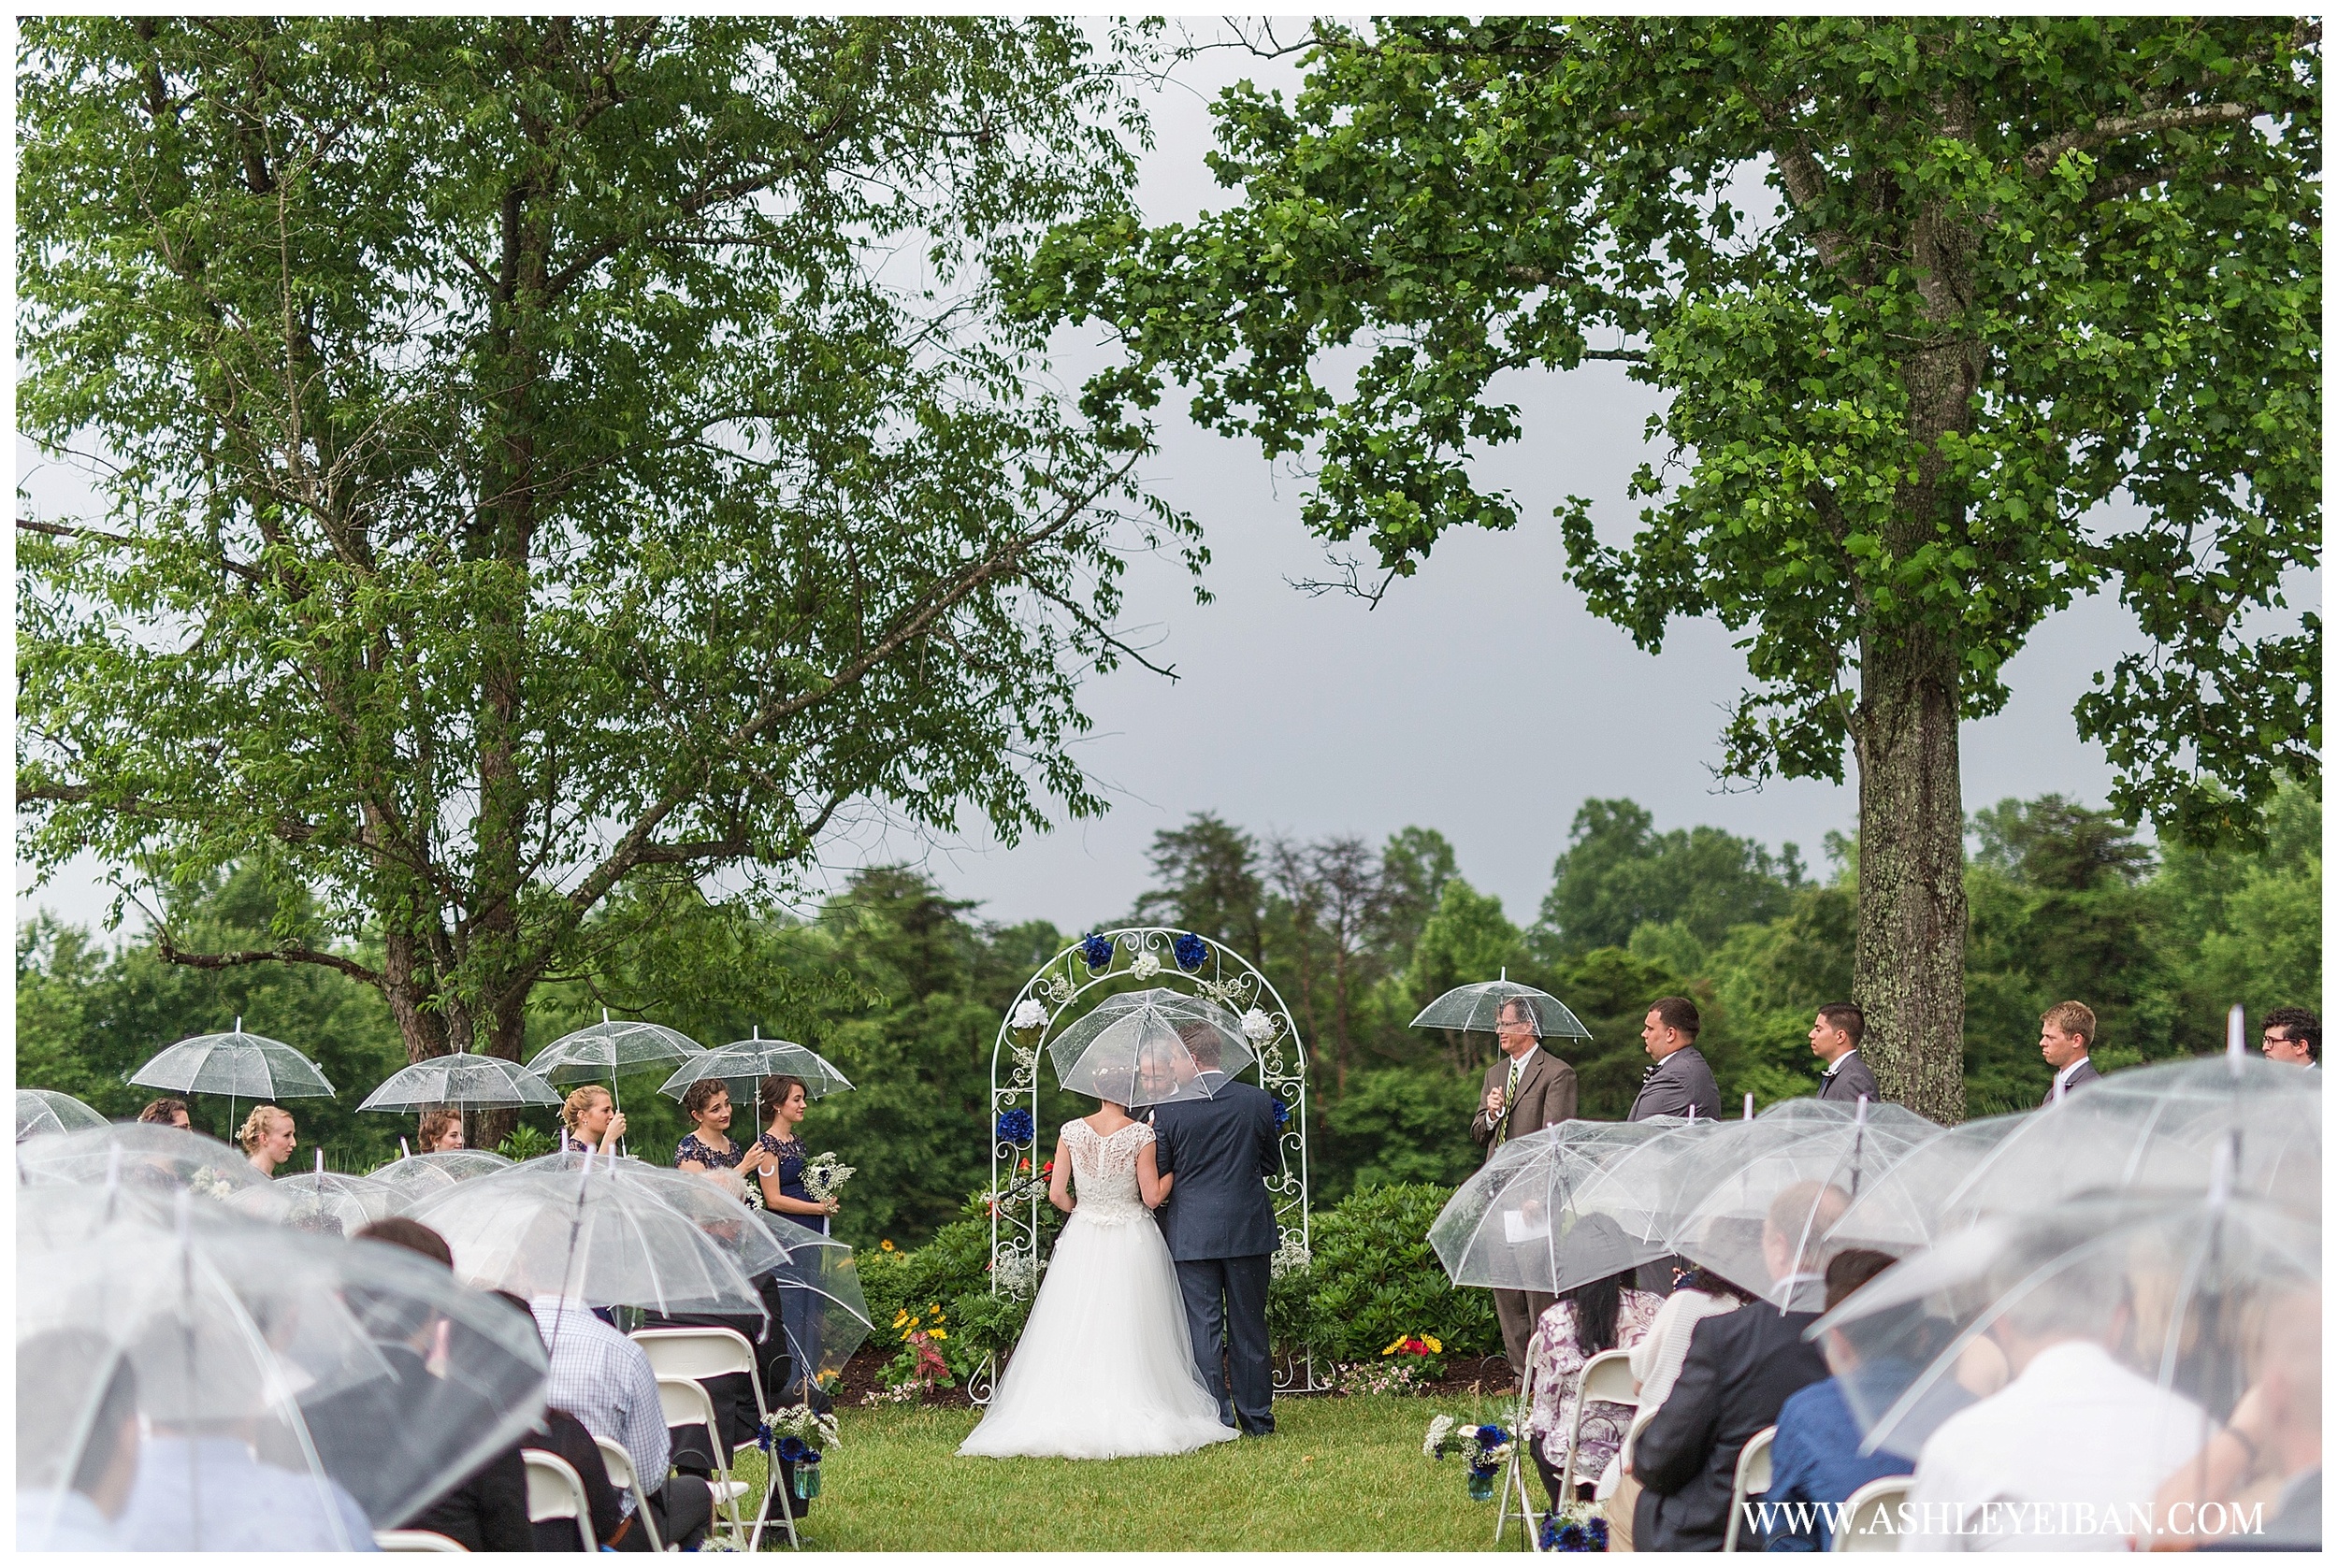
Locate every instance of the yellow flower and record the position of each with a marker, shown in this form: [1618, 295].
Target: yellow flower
[1435, 1348]
[899, 1318]
[1398, 1344]
[885, 1247]
[935, 1307]
[939, 1333]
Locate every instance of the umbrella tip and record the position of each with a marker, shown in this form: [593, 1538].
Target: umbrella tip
[2236, 1033]
[1506, 972]
[1749, 1105]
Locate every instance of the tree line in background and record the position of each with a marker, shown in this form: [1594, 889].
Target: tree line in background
[903, 988]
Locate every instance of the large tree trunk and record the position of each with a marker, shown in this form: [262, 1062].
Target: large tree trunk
[1909, 971]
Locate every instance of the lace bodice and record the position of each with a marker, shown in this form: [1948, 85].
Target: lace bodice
[1103, 1171]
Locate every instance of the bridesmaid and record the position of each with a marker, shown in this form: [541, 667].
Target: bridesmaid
[708, 1148]
[591, 1120]
[441, 1131]
[784, 1102]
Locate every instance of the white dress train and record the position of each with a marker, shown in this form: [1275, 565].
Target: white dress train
[1105, 1369]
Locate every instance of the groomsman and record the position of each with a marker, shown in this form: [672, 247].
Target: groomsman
[2064, 1033]
[1526, 1090]
[1681, 1078]
[1835, 1038]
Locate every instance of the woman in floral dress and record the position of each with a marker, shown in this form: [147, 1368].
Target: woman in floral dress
[707, 1149]
[1605, 1314]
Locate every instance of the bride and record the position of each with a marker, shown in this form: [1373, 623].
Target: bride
[1104, 1368]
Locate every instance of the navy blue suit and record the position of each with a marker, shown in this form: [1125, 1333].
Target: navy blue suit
[1220, 1224]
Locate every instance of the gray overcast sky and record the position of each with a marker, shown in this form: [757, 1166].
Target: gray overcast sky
[1481, 698]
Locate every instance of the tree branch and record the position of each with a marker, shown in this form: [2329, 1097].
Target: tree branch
[173, 954]
[2045, 154]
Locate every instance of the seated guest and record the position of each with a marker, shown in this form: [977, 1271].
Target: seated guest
[1815, 1458]
[487, 1510]
[2266, 1464]
[53, 1372]
[2293, 1035]
[1604, 1314]
[605, 1381]
[1740, 1369]
[1696, 1295]
[167, 1111]
[441, 1131]
[2073, 1426]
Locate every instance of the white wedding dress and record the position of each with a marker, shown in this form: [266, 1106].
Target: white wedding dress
[1104, 1368]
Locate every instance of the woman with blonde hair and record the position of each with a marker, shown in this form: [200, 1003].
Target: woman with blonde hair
[590, 1120]
[441, 1131]
[266, 1138]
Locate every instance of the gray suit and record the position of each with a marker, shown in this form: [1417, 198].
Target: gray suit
[1220, 1224]
[1675, 1084]
[2082, 1074]
[1851, 1078]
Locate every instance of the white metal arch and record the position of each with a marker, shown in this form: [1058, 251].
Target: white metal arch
[1148, 956]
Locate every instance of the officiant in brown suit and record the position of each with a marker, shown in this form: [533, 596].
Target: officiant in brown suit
[1527, 1089]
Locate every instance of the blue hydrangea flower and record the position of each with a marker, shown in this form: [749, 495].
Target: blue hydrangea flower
[1191, 951]
[792, 1450]
[1015, 1127]
[1096, 950]
[1282, 1112]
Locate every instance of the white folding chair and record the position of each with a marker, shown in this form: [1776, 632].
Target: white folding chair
[416, 1541]
[1869, 1511]
[693, 1354]
[1608, 1378]
[557, 1492]
[685, 1404]
[1753, 1480]
[622, 1477]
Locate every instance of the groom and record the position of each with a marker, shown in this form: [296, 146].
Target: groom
[1220, 1224]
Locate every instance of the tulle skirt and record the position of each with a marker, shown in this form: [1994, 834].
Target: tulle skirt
[1105, 1369]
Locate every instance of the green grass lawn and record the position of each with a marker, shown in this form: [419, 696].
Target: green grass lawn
[1339, 1475]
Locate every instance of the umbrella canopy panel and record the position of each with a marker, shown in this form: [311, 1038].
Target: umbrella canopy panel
[1476, 1008]
[823, 1311]
[323, 1202]
[1765, 1194]
[461, 1079]
[2176, 1289]
[144, 1157]
[419, 1174]
[746, 1062]
[611, 1046]
[1150, 1047]
[40, 1111]
[261, 1389]
[590, 1235]
[2159, 1127]
[243, 1066]
[1521, 1222]
[1902, 1209]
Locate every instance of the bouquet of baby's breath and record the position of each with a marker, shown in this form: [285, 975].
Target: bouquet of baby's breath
[815, 1428]
[825, 1175]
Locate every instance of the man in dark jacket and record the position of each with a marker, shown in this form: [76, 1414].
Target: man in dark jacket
[1835, 1040]
[1681, 1080]
[1220, 1224]
[1741, 1368]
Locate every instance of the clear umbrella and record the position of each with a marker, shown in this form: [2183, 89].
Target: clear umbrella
[1644, 1187]
[1764, 1193]
[745, 1062]
[39, 1111]
[1882, 1115]
[1901, 1210]
[1477, 1007]
[2160, 1127]
[142, 1157]
[1149, 1049]
[2174, 1287]
[589, 1234]
[822, 1309]
[322, 1201]
[725, 1219]
[246, 1388]
[1532, 1219]
[238, 1065]
[419, 1174]
[610, 1048]
[462, 1078]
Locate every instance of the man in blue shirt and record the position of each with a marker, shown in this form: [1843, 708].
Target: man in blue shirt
[1815, 1458]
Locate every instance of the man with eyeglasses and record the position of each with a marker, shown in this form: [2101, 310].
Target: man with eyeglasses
[1525, 1090]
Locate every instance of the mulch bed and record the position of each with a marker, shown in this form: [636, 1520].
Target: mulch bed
[1489, 1376]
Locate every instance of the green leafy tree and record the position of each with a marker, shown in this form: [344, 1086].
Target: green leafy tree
[545, 453]
[1920, 295]
[1619, 873]
[1207, 880]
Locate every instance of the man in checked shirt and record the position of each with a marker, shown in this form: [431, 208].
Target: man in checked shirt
[605, 1381]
